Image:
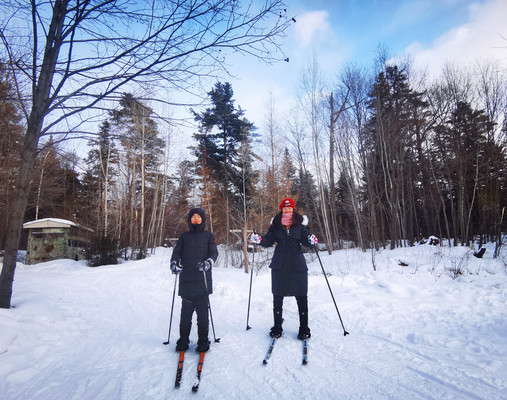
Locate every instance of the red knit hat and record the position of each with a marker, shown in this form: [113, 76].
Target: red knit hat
[287, 203]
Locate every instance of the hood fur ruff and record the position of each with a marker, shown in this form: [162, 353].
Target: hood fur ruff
[303, 219]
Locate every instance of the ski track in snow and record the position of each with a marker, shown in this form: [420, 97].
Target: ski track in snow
[97, 333]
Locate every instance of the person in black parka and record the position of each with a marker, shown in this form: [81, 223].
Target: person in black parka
[193, 258]
[289, 273]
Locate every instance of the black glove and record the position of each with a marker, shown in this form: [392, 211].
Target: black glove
[205, 265]
[176, 267]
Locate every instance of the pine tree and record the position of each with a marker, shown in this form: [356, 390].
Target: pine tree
[10, 146]
[222, 151]
[389, 171]
[180, 193]
[287, 175]
[308, 200]
[464, 152]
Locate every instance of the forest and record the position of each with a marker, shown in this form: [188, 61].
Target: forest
[381, 159]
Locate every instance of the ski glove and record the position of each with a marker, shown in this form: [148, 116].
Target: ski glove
[205, 265]
[255, 238]
[176, 267]
[312, 239]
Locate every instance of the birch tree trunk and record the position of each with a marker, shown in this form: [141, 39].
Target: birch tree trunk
[311, 83]
[39, 188]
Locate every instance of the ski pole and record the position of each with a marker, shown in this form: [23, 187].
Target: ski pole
[250, 291]
[217, 340]
[172, 309]
[345, 333]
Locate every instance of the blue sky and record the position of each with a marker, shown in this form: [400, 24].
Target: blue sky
[433, 32]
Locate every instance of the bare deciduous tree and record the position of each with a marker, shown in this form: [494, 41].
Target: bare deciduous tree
[312, 102]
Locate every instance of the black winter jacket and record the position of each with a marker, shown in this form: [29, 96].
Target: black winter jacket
[289, 273]
[194, 246]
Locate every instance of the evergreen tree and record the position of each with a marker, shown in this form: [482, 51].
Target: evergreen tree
[10, 145]
[179, 195]
[224, 156]
[308, 199]
[343, 208]
[287, 176]
[464, 154]
[390, 170]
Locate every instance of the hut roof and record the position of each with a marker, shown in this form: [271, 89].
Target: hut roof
[53, 223]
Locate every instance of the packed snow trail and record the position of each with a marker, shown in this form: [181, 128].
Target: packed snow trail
[415, 333]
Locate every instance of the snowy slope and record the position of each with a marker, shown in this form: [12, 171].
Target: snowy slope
[415, 332]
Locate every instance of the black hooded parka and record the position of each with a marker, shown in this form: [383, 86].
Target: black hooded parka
[289, 273]
[194, 246]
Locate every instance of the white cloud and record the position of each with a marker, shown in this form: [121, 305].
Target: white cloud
[309, 24]
[480, 38]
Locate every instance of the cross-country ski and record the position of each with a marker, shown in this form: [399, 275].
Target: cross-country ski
[179, 371]
[200, 365]
[305, 352]
[270, 350]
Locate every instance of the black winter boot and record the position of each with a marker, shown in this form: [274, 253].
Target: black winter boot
[182, 344]
[202, 341]
[304, 331]
[202, 347]
[276, 330]
[183, 341]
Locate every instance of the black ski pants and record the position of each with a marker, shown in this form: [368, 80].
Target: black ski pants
[199, 304]
[302, 302]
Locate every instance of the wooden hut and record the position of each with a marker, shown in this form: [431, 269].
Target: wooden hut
[53, 238]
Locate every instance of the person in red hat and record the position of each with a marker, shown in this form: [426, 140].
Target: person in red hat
[289, 273]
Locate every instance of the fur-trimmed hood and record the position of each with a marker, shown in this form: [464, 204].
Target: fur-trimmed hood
[297, 220]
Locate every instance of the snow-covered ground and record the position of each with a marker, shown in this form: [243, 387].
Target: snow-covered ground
[416, 331]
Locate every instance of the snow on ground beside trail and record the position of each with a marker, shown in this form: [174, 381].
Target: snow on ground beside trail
[420, 331]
